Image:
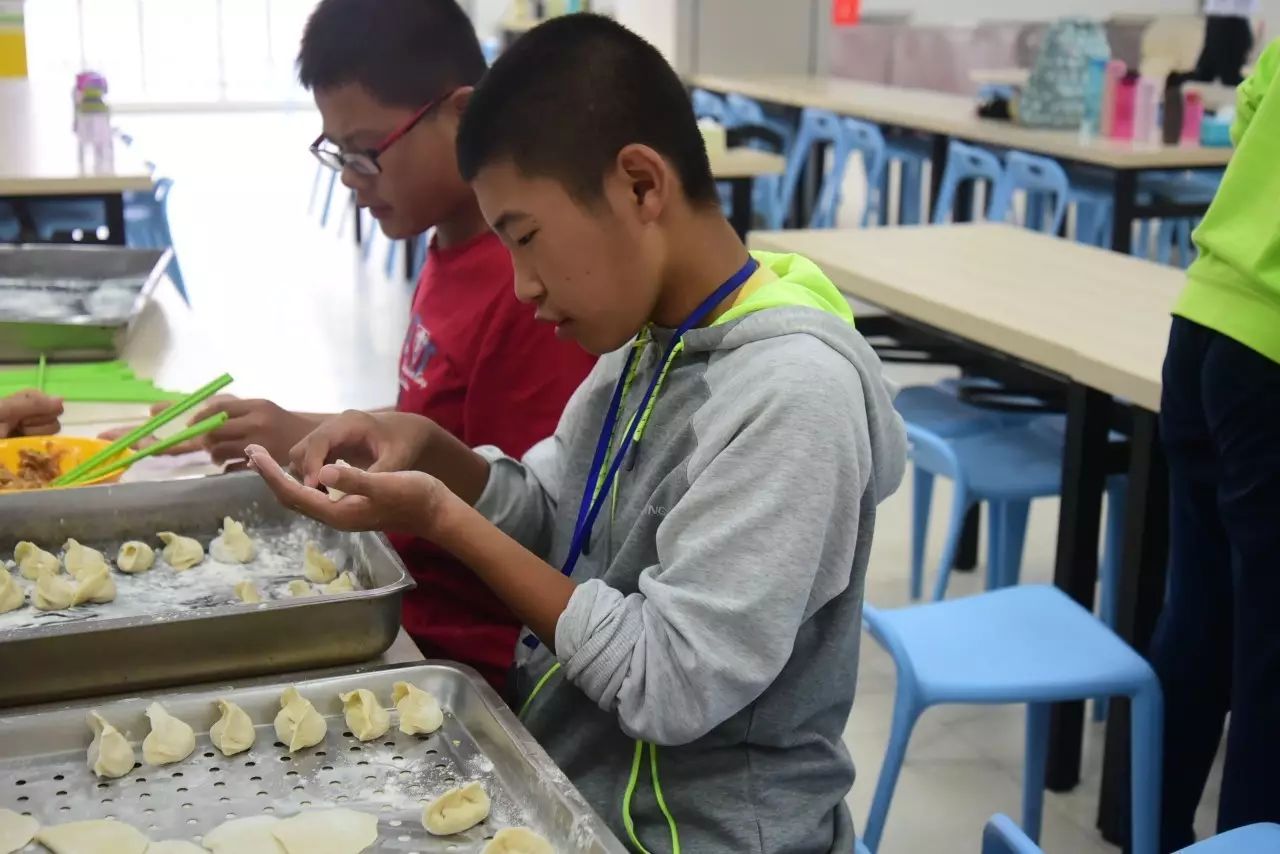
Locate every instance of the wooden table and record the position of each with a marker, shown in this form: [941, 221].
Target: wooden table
[1096, 319]
[41, 158]
[941, 117]
[739, 167]
[1016, 77]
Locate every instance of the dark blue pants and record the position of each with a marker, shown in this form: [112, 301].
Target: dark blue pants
[1217, 645]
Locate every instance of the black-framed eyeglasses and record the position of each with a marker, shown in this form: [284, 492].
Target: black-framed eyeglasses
[366, 162]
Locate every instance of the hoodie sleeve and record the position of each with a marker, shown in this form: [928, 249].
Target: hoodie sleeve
[767, 533]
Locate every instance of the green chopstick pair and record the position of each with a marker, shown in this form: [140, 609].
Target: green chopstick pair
[103, 382]
[94, 467]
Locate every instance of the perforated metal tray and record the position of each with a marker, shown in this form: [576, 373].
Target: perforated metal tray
[43, 770]
[189, 641]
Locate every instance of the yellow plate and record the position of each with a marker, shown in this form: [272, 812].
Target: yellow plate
[76, 449]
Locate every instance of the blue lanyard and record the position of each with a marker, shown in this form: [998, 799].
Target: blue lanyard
[591, 503]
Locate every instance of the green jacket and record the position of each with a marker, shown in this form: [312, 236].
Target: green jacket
[1234, 286]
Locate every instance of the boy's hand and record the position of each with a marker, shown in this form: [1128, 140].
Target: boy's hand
[29, 413]
[408, 502]
[382, 442]
[258, 421]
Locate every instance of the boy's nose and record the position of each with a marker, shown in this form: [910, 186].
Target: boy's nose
[529, 287]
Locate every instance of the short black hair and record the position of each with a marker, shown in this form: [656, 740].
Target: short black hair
[568, 95]
[405, 52]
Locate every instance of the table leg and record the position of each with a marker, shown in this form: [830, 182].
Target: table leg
[1139, 598]
[115, 218]
[410, 262]
[356, 210]
[1124, 200]
[937, 165]
[967, 553]
[741, 213]
[1084, 472]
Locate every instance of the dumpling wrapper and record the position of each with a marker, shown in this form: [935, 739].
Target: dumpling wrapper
[181, 552]
[175, 846]
[232, 545]
[298, 587]
[31, 559]
[246, 591]
[344, 583]
[332, 831]
[80, 559]
[16, 830]
[110, 754]
[135, 556]
[298, 724]
[244, 836]
[365, 716]
[334, 493]
[515, 840]
[98, 836]
[318, 566]
[53, 592]
[419, 710]
[12, 595]
[170, 739]
[233, 732]
[456, 810]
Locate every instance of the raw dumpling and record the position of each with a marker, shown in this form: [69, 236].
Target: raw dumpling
[53, 592]
[175, 846]
[419, 711]
[16, 830]
[181, 552]
[98, 836]
[135, 556]
[365, 716]
[233, 545]
[233, 733]
[333, 831]
[344, 583]
[298, 587]
[81, 560]
[338, 494]
[110, 754]
[298, 724]
[170, 739]
[248, 592]
[12, 596]
[31, 559]
[456, 810]
[94, 584]
[318, 566]
[244, 836]
[512, 840]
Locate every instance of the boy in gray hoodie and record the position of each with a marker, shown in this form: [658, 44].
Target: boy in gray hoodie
[688, 550]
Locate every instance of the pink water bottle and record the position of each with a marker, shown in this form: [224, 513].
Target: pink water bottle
[1124, 106]
[1111, 79]
[1145, 105]
[1192, 118]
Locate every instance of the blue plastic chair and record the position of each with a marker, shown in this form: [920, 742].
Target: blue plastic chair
[1263, 838]
[1046, 186]
[146, 224]
[859, 847]
[910, 153]
[708, 105]
[1029, 644]
[816, 127]
[966, 163]
[1003, 836]
[741, 110]
[10, 228]
[866, 139]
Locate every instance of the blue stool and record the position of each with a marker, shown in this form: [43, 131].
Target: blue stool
[1003, 836]
[966, 163]
[1029, 644]
[866, 139]
[1263, 838]
[816, 127]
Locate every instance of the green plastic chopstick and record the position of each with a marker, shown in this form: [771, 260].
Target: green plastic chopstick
[198, 429]
[40, 374]
[192, 400]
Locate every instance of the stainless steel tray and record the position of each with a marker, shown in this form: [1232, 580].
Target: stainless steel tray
[200, 641]
[64, 279]
[43, 770]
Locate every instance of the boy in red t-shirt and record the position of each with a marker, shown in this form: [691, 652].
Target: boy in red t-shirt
[391, 79]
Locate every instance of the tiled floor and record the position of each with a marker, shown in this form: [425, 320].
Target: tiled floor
[262, 271]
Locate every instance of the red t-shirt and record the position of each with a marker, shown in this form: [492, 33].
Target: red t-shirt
[476, 362]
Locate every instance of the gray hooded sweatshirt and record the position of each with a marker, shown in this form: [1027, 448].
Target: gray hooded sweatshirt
[705, 666]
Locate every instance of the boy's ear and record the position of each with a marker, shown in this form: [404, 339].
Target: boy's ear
[649, 178]
[458, 99]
